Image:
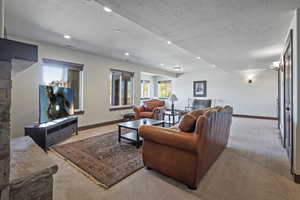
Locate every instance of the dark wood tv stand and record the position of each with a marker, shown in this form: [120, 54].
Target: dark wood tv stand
[48, 134]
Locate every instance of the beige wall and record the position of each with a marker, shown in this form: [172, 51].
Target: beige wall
[95, 83]
[231, 88]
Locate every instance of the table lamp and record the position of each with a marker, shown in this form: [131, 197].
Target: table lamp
[173, 98]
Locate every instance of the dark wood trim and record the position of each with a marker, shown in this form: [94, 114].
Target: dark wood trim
[82, 128]
[123, 71]
[121, 108]
[297, 178]
[166, 81]
[255, 117]
[79, 112]
[75, 66]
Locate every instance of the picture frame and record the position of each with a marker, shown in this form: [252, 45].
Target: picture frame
[200, 88]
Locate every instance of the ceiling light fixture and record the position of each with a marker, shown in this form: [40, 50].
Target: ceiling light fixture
[169, 42]
[276, 64]
[176, 68]
[106, 9]
[199, 57]
[213, 66]
[67, 37]
[127, 54]
[162, 64]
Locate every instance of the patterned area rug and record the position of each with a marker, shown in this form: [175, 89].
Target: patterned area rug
[103, 157]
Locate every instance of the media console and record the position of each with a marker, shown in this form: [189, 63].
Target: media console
[50, 133]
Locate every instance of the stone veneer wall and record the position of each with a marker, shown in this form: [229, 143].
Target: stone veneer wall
[5, 101]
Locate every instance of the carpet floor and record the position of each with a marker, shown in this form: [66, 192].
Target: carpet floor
[103, 157]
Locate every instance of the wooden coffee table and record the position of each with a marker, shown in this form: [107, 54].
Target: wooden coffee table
[134, 125]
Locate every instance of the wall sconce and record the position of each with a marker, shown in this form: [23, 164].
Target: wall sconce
[250, 78]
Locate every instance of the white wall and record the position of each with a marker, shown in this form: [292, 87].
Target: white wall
[95, 82]
[258, 98]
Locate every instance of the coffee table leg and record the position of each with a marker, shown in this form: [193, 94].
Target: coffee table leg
[137, 139]
[119, 138]
[173, 119]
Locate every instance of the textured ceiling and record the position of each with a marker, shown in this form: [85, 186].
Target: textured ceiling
[233, 34]
[94, 30]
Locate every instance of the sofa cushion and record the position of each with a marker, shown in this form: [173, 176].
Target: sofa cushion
[187, 123]
[146, 114]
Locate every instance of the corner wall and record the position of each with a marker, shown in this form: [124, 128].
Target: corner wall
[25, 97]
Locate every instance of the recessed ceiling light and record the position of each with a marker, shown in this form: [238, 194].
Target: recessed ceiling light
[176, 68]
[213, 66]
[107, 9]
[67, 37]
[162, 64]
[127, 54]
[276, 63]
[199, 57]
[169, 42]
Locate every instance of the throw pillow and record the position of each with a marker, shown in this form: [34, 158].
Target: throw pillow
[187, 123]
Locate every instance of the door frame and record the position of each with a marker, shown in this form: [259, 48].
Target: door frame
[289, 43]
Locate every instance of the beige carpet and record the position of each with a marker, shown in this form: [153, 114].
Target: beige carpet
[253, 167]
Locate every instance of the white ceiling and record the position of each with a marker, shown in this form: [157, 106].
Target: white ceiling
[233, 34]
[93, 30]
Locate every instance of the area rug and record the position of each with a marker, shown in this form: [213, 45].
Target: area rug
[103, 157]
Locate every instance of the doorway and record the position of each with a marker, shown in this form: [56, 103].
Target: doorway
[288, 97]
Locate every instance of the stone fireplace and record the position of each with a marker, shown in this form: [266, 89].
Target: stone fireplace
[5, 101]
[25, 170]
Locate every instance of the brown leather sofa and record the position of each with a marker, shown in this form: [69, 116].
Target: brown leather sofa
[186, 152]
[153, 109]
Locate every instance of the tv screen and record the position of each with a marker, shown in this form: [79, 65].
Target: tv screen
[55, 103]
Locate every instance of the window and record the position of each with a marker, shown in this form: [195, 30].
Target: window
[164, 89]
[145, 89]
[64, 74]
[121, 89]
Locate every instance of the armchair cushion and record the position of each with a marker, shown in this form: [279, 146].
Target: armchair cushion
[170, 137]
[158, 109]
[152, 104]
[146, 114]
[187, 123]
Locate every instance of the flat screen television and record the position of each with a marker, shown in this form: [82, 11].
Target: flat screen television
[55, 103]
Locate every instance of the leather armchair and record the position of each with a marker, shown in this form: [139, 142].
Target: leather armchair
[187, 156]
[153, 109]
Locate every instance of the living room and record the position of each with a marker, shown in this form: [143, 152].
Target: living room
[123, 69]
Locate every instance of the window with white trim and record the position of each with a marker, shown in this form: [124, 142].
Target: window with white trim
[145, 89]
[164, 89]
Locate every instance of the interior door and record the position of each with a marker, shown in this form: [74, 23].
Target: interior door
[288, 100]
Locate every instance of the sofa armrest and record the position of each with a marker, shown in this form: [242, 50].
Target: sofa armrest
[139, 109]
[170, 137]
[159, 109]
